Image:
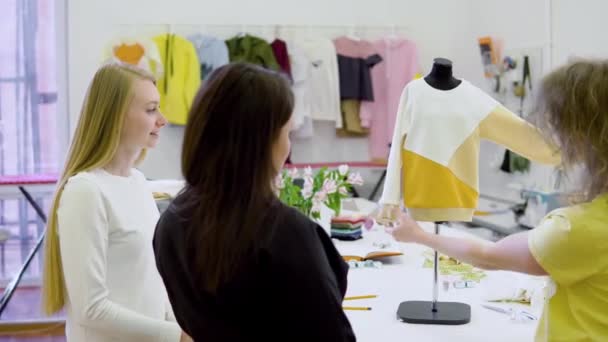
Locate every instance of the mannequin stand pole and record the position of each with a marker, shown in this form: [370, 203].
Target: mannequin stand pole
[435, 312]
[436, 273]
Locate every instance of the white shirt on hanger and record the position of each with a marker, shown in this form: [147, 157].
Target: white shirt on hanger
[325, 84]
[301, 69]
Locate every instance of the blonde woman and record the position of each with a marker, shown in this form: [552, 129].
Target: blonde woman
[99, 262]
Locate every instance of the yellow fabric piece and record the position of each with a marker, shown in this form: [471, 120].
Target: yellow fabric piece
[350, 118]
[571, 244]
[181, 79]
[427, 184]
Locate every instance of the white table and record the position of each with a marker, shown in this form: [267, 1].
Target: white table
[403, 278]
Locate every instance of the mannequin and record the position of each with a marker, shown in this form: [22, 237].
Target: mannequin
[437, 179]
[440, 76]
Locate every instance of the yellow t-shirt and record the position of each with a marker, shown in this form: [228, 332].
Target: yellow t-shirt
[571, 244]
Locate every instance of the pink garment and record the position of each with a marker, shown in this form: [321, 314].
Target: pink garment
[354, 48]
[399, 66]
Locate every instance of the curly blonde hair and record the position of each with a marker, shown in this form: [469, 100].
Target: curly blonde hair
[572, 111]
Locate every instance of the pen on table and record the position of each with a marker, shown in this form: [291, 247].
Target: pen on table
[360, 297]
[362, 308]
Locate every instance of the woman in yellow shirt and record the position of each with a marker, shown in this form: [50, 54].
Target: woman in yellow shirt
[570, 244]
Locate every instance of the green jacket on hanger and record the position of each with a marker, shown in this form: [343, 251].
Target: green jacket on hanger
[251, 49]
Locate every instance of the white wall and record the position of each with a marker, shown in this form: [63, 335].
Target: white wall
[439, 27]
[579, 29]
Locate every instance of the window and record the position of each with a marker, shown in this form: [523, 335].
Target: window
[29, 139]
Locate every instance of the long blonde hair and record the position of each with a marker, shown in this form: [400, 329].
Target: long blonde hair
[95, 142]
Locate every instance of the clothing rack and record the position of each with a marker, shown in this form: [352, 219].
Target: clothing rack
[287, 32]
[292, 26]
[271, 29]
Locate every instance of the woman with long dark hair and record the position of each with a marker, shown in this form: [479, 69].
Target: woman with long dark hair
[237, 263]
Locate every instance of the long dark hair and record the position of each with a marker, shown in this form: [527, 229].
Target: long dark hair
[227, 163]
[572, 109]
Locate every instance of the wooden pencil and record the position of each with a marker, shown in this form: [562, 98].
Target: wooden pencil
[362, 308]
[360, 297]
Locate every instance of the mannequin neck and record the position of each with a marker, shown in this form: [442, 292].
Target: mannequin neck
[441, 76]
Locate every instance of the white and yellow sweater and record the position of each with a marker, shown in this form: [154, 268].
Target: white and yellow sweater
[436, 166]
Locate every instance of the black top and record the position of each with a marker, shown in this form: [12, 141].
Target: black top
[355, 77]
[292, 290]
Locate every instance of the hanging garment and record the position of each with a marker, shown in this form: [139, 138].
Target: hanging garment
[355, 77]
[513, 162]
[181, 79]
[137, 51]
[350, 116]
[301, 70]
[251, 49]
[434, 153]
[355, 60]
[324, 80]
[356, 48]
[281, 54]
[211, 51]
[399, 66]
[355, 86]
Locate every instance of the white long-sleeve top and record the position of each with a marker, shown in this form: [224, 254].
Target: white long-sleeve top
[114, 292]
[324, 79]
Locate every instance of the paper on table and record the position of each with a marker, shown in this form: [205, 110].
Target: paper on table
[513, 288]
[451, 266]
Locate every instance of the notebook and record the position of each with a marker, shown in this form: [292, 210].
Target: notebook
[360, 252]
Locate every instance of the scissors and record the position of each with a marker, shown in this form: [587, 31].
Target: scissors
[513, 314]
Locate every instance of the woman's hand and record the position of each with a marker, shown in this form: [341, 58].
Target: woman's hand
[185, 338]
[386, 215]
[406, 230]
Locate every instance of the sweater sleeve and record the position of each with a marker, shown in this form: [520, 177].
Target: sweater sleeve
[391, 193]
[509, 130]
[83, 238]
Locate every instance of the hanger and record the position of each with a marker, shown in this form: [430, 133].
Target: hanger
[393, 33]
[352, 33]
[242, 32]
[128, 36]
